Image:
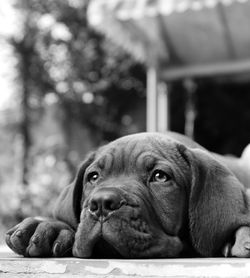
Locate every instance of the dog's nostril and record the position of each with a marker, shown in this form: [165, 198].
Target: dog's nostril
[104, 202]
[93, 206]
[110, 205]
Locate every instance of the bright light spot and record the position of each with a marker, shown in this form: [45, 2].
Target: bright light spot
[79, 86]
[50, 99]
[45, 179]
[46, 21]
[88, 97]
[62, 87]
[61, 32]
[76, 3]
[50, 161]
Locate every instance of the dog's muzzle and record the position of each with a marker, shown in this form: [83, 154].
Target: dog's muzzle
[116, 224]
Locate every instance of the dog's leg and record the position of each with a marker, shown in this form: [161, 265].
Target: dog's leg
[245, 165]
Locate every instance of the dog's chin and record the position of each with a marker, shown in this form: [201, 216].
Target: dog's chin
[117, 238]
[130, 248]
[102, 242]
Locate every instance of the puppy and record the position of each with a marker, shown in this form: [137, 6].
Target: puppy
[147, 195]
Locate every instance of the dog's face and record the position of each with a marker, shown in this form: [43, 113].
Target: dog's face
[148, 196]
[133, 202]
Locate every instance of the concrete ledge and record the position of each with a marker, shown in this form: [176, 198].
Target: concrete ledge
[12, 265]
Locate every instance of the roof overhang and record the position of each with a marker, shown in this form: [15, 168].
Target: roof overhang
[183, 37]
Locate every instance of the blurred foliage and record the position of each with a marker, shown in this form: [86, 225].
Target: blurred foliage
[63, 56]
[76, 91]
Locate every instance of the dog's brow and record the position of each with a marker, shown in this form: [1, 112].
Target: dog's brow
[106, 161]
[149, 162]
[101, 163]
[146, 160]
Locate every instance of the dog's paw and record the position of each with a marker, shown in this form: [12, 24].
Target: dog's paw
[241, 247]
[34, 237]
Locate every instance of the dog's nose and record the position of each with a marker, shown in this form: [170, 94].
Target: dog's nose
[104, 202]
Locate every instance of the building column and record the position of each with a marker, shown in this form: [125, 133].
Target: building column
[157, 103]
[190, 112]
[163, 108]
[152, 96]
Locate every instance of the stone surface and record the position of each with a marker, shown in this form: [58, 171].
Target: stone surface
[12, 265]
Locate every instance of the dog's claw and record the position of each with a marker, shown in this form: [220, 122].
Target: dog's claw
[247, 245]
[56, 249]
[35, 240]
[227, 250]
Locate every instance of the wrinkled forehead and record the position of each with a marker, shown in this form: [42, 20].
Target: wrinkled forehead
[140, 150]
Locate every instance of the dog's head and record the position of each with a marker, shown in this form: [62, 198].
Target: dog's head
[148, 196]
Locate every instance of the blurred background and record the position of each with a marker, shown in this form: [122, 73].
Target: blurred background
[75, 74]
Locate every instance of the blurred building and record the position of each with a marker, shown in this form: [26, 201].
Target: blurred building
[179, 40]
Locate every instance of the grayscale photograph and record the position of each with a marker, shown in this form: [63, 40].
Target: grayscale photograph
[125, 138]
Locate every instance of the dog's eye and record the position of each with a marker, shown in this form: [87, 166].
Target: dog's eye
[159, 176]
[93, 176]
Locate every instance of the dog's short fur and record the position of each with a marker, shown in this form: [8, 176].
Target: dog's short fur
[146, 195]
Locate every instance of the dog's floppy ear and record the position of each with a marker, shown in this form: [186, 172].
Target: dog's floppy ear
[218, 203]
[68, 205]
